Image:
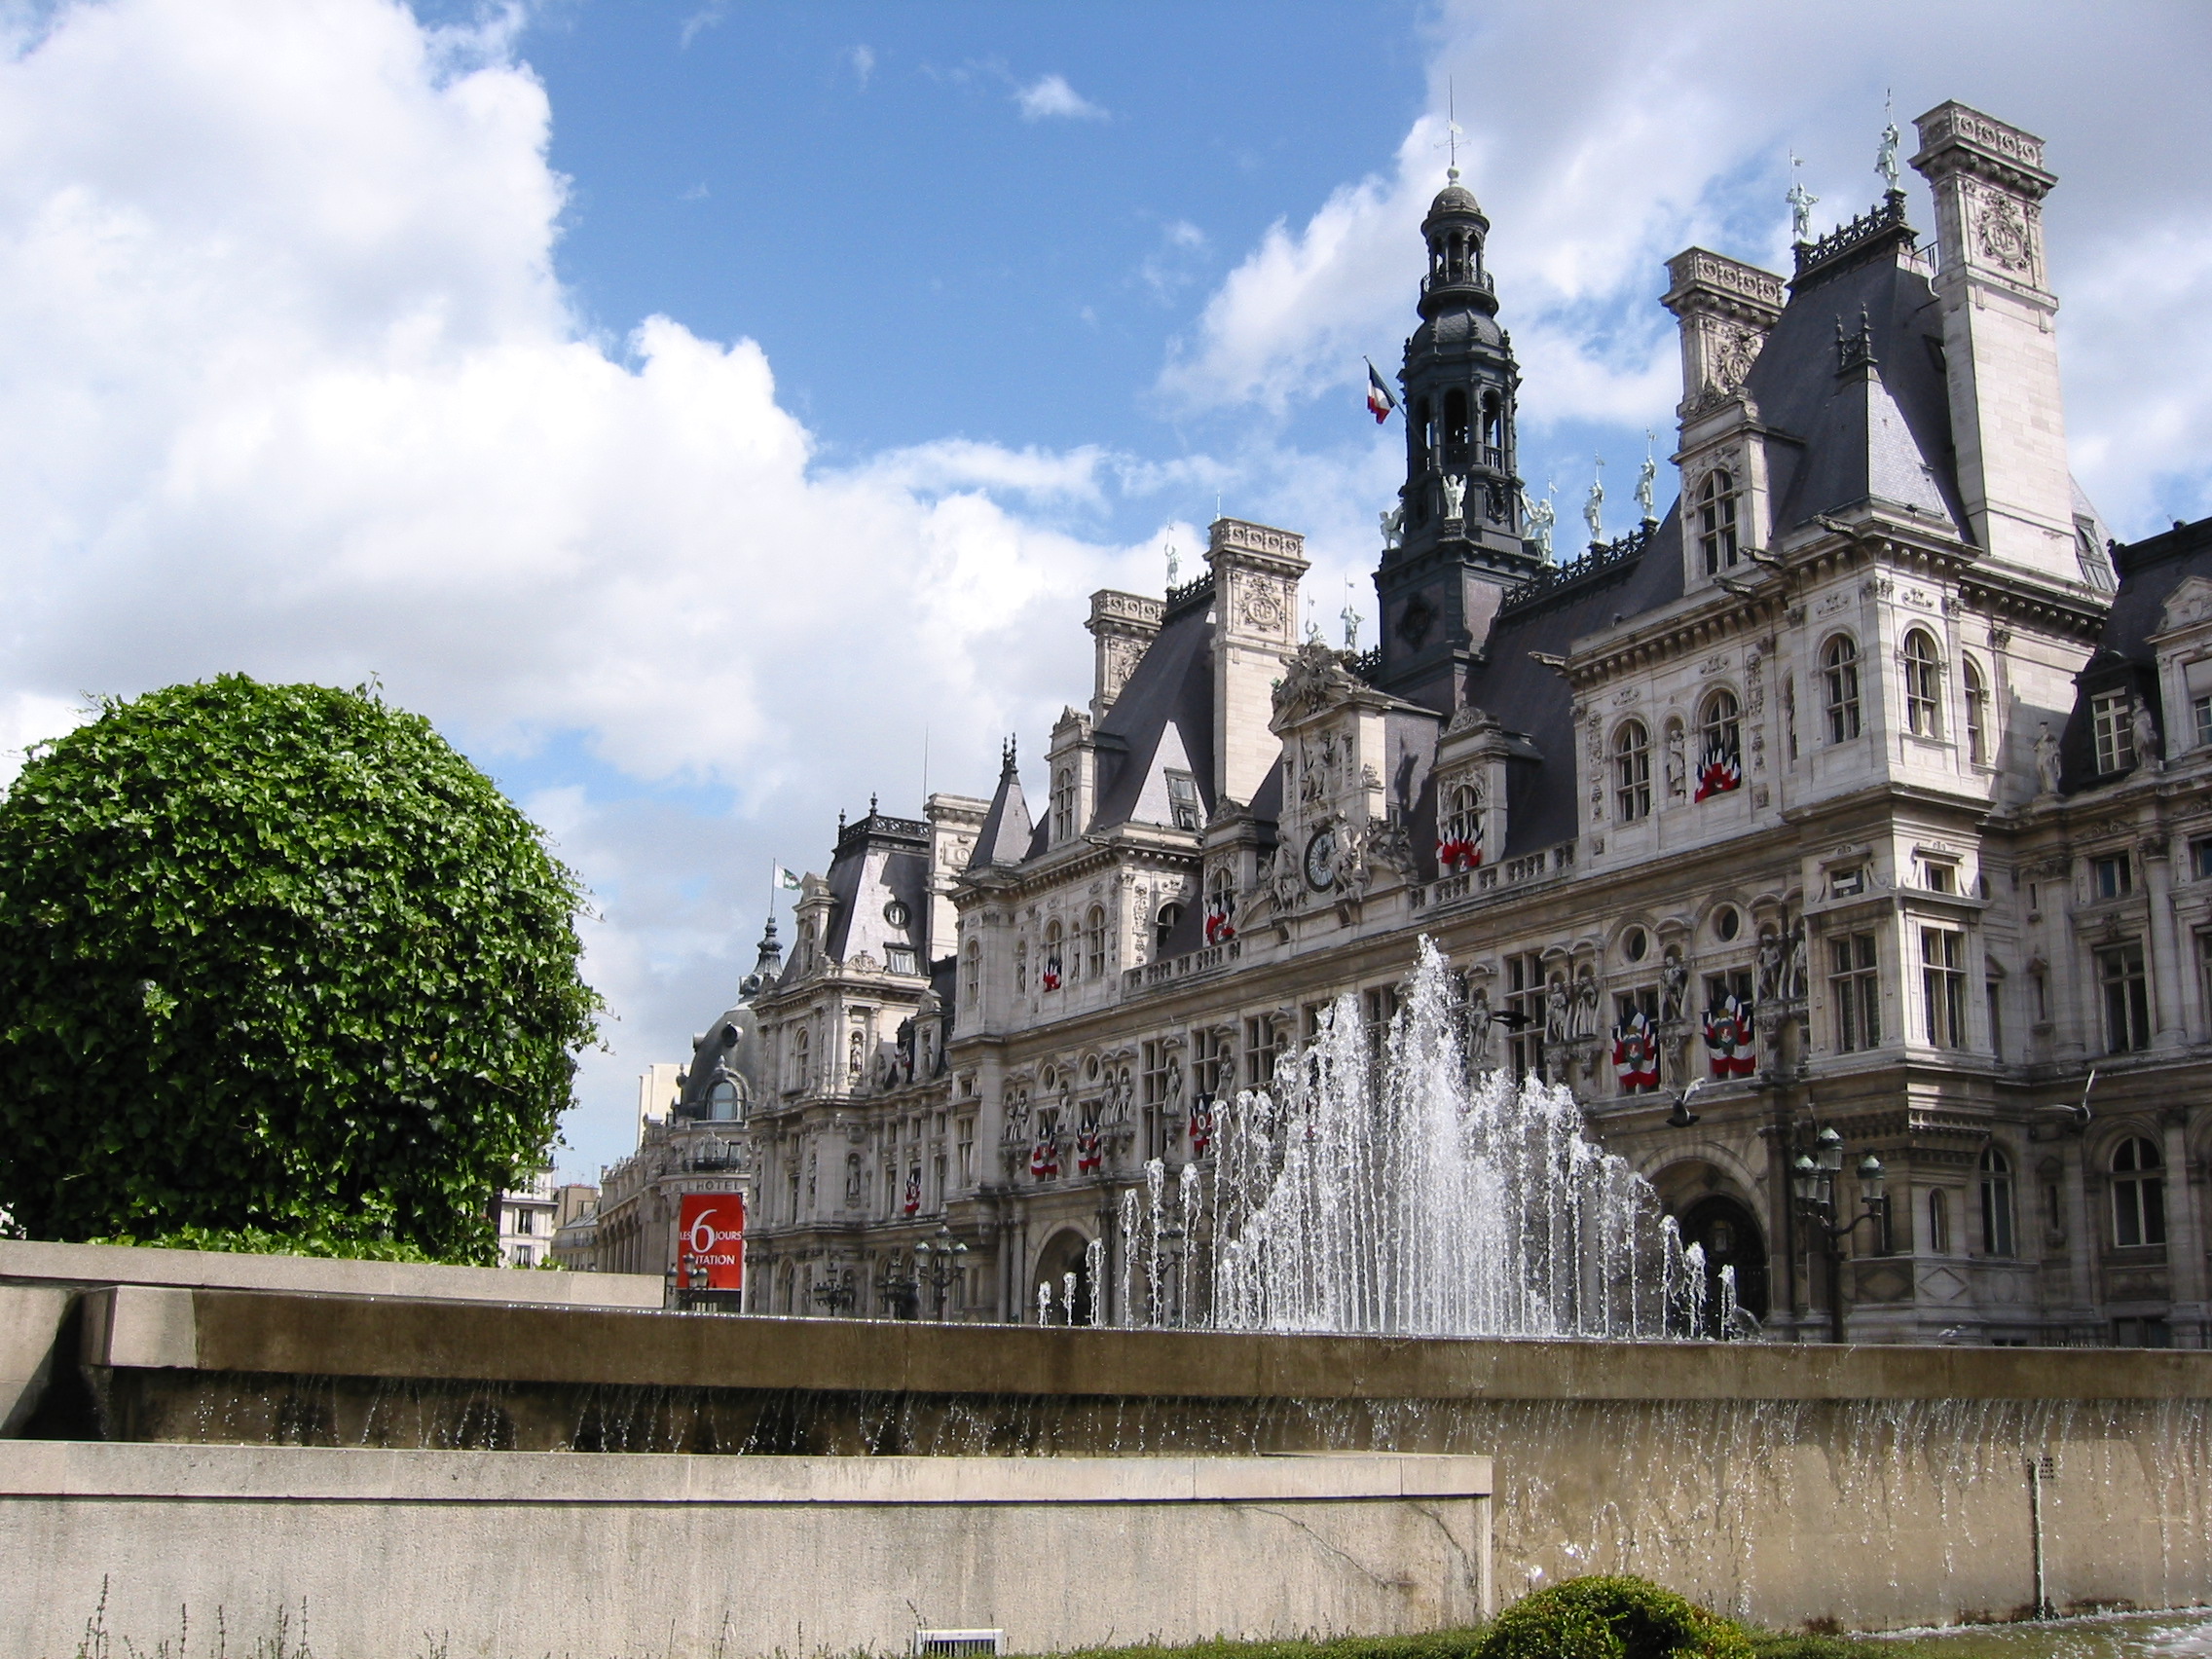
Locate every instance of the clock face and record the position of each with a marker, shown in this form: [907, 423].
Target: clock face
[1320, 860]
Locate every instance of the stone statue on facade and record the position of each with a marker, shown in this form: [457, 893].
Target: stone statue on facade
[1554, 1011]
[1677, 764]
[1594, 510]
[1478, 1028]
[1539, 516]
[1793, 963]
[1673, 983]
[2145, 730]
[1886, 157]
[1770, 966]
[2047, 770]
[1455, 495]
[1586, 1003]
[1393, 528]
[1801, 202]
[1646, 479]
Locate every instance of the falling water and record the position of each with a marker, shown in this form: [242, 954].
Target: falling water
[1392, 1193]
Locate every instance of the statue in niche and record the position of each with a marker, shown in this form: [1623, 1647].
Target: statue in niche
[1673, 985]
[2145, 730]
[1586, 1003]
[2047, 770]
[1554, 1011]
[1793, 963]
[1455, 495]
[1539, 516]
[853, 1178]
[1676, 762]
[1393, 528]
[1770, 965]
[1478, 1028]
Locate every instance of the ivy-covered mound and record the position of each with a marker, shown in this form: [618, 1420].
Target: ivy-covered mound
[1610, 1618]
[276, 958]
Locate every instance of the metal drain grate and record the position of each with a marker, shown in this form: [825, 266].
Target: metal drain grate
[958, 1643]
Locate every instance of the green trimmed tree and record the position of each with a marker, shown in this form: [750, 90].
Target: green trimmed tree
[1610, 1617]
[277, 960]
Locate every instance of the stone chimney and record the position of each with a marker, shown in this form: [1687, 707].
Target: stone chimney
[1726, 310]
[1122, 629]
[1255, 606]
[2000, 344]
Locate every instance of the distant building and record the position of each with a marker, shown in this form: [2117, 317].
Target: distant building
[526, 1222]
[658, 1086]
[1848, 788]
[575, 1226]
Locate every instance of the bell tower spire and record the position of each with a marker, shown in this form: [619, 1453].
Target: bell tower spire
[1461, 543]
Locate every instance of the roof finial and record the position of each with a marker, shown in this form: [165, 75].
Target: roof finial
[1886, 157]
[1006, 767]
[1452, 133]
[1800, 201]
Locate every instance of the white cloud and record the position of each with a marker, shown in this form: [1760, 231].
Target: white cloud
[1049, 97]
[1610, 146]
[288, 384]
[862, 59]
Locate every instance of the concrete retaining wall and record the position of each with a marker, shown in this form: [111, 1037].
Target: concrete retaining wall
[394, 1554]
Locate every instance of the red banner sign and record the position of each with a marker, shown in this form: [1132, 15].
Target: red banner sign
[710, 1242]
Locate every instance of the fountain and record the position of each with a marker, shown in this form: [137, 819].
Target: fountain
[1400, 1194]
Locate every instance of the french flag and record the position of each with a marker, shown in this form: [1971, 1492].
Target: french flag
[1379, 402]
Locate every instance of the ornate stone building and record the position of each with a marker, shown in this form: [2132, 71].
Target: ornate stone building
[1850, 790]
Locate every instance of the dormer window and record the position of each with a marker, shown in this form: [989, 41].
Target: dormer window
[1716, 521]
[1064, 803]
[2111, 717]
[1183, 801]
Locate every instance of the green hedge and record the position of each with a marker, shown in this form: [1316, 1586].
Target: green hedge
[1610, 1618]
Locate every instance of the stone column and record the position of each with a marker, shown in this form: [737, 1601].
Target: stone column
[2083, 1223]
[2185, 1234]
[2167, 975]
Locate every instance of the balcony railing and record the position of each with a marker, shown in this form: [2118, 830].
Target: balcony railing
[1545, 865]
[1191, 965]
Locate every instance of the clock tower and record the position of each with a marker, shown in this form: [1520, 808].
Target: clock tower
[1460, 543]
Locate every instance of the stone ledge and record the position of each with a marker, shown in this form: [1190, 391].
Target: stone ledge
[76, 1468]
[82, 1265]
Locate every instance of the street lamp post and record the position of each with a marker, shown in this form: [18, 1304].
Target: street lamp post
[1812, 1179]
[939, 1260]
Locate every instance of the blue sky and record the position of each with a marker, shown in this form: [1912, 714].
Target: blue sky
[690, 405]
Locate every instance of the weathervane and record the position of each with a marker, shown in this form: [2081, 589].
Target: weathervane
[1452, 131]
[1886, 158]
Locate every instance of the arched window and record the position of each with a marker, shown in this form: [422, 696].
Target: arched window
[1424, 426]
[1050, 969]
[1493, 431]
[1164, 927]
[1221, 905]
[1716, 521]
[1840, 673]
[1939, 1223]
[1095, 929]
[802, 1057]
[1460, 844]
[1977, 711]
[974, 985]
[722, 1104]
[1064, 803]
[1720, 753]
[2138, 1193]
[1923, 686]
[1632, 771]
[1996, 1202]
[1454, 425]
[805, 947]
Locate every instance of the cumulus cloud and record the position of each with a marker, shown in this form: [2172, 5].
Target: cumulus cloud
[288, 384]
[1610, 146]
[1049, 97]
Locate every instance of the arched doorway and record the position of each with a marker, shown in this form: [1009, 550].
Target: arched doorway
[1066, 1252]
[1729, 1235]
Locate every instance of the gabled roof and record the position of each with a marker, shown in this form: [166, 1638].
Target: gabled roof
[1163, 719]
[2150, 571]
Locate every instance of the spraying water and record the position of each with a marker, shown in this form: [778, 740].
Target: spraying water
[1393, 1194]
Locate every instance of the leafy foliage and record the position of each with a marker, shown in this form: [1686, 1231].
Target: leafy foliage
[254, 1241]
[276, 958]
[1610, 1618]
[1438, 1644]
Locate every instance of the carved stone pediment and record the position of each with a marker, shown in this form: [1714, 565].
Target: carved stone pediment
[2189, 604]
[1315, 680]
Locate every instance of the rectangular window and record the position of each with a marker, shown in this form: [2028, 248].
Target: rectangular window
[524, 1256]
[1525, 1012]
[898, 958]
[1943, 986]
[2127, 998]
[1938, 876]
[1210, 1061]
[526, 1222]
[2111, 717]
[1854, 993]
[1990, 993]
[2200, 717]
[2200, 859]
[1154, 1079]
[2204, 975]
[2112, 877]
[1735, 983]
[967, 1153]
[1260, 1051]
[1183, 801]
[1847, 883]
